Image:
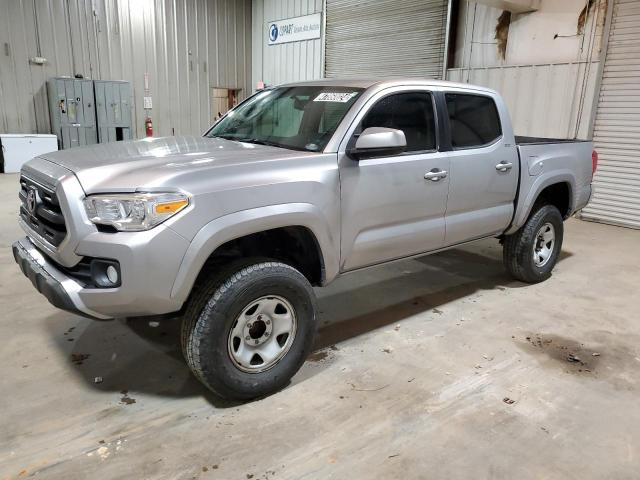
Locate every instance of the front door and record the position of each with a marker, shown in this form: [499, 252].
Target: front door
[389, 209]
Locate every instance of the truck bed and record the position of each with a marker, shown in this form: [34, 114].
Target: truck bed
[545, 161]
[520, 140]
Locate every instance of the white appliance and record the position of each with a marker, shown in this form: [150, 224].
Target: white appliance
[19, 148]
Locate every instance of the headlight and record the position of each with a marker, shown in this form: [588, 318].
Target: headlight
[134, 212]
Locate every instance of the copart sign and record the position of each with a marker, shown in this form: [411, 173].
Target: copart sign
[294, 29]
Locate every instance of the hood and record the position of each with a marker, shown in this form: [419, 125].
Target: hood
[154, 163]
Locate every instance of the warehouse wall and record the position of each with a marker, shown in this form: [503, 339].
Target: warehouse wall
[186, 47]
[288, 62]
[550, 66]
[544, 100]
[548, 35]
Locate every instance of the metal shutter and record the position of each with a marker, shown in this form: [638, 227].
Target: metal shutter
[384, 38]
[616, 136]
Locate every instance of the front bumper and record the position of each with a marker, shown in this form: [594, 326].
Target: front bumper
[149, 260]
[61, 291]
[148, 265]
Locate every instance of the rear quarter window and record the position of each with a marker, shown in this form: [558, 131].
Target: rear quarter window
[473, 120]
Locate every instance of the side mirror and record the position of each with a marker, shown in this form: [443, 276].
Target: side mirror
[378, 142]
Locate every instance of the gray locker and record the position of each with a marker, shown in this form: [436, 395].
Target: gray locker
[113, 110]
[72, 111]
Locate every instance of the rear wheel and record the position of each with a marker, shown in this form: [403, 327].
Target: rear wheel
[531, 253]
[247, 330]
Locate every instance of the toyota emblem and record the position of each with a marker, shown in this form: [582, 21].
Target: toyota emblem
[32, 201]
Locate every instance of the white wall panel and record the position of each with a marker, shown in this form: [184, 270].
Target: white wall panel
[549, 74]
[548, 35]
[549, 100]
[187, 47]
[287, 62]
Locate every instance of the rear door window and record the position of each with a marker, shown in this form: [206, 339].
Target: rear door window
[473, 120]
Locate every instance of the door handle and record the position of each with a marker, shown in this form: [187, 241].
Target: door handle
[504, 166]
[435, 175]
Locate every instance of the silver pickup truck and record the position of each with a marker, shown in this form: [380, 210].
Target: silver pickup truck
[295, 186]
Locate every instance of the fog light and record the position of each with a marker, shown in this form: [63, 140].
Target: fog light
[105, 273]
[112, 274]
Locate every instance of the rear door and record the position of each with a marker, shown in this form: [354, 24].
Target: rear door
[484, 167]
[389, 209]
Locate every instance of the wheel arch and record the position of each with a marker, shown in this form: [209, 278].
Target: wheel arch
[557, 194]
[254, 233]
[557, 188]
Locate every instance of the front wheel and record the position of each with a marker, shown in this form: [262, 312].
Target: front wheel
[248, 329]
[531, 253]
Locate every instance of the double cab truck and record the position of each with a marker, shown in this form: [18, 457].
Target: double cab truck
[297, 185]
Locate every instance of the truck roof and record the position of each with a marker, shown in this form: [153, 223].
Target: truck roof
[388, 82]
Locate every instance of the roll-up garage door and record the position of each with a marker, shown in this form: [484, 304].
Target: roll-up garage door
[616, 136]
[384, 38]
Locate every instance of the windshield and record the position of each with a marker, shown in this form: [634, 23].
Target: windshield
[299, 118]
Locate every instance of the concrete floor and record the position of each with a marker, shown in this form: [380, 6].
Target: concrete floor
[440, 367]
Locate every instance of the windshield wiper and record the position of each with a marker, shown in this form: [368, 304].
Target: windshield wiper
[248, 140]
[259, 141]
[226, 137]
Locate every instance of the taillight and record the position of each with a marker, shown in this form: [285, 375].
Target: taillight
[594, 162]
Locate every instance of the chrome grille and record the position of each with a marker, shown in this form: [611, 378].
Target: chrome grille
[40, 210]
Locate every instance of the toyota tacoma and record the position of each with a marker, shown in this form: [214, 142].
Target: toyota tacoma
[297, 185]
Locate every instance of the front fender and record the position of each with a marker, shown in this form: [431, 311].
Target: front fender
[530, 191]
[245, 222]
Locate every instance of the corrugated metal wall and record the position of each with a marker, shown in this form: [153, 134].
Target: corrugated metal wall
[288, 62]
[616, 136]
[187, 47]
[552, 100]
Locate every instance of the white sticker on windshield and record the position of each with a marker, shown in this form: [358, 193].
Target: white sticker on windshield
[340, 97]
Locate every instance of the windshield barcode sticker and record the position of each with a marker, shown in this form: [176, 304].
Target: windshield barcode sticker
[335, 97]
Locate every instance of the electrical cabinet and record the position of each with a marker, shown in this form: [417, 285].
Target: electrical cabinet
[72, 111]
[113, 110]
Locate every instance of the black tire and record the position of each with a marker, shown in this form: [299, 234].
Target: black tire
[518, 251]
[211, 315]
